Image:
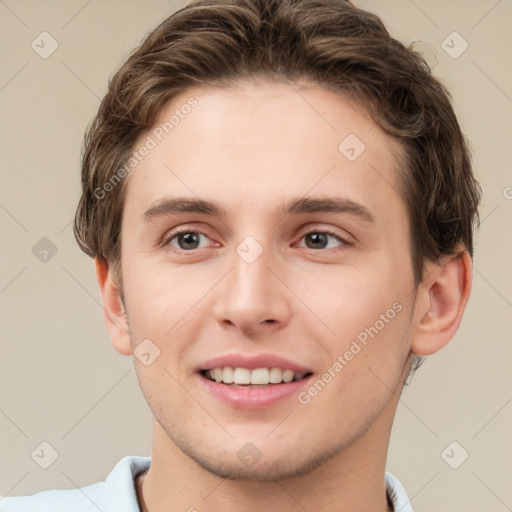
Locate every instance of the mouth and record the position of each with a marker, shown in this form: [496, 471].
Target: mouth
[255, 381]
[253, 378]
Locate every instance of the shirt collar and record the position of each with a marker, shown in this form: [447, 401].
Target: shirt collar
[121, 494]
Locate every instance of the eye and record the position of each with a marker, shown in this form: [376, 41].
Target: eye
[323, 239]
[185, 240]
[189, 239]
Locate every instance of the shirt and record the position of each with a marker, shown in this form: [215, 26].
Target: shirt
[118, 493]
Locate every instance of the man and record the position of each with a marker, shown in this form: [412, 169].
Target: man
[280, 205]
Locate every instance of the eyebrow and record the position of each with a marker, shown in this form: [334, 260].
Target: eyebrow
[169, 206]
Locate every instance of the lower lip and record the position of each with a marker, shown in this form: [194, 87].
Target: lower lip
[253, 398]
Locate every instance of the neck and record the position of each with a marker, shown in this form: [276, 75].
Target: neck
[351, 480]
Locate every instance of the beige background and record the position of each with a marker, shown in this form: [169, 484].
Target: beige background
[61, 381]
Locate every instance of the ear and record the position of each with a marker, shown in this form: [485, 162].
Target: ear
[113, 309]
[442, 298]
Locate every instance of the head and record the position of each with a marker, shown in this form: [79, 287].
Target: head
[278, 100]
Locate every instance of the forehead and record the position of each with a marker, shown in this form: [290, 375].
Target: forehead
[257, 141]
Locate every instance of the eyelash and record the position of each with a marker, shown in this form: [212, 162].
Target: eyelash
[171, 236]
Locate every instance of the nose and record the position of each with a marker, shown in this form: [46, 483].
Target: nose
[252, 297]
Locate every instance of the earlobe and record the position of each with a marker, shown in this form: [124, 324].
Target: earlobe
[113, 309]
[445, 293]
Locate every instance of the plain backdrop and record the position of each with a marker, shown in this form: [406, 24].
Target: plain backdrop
[62, 383]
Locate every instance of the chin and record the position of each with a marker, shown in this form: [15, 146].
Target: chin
[261, 471]
[277, 461]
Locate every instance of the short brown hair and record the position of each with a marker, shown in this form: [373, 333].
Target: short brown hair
[327, 42]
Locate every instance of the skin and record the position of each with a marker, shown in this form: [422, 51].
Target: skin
[249, 148]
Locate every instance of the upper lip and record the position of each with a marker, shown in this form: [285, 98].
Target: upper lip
[252, 362]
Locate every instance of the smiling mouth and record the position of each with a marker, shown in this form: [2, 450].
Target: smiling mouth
[259, 377]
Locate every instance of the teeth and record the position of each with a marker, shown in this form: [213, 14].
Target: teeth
[287, 376]
[240, 376]
[228, 376]
[276, 375]
[259, 376]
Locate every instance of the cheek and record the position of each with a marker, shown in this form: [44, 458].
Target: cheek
[369, 321]
[350, 299]
[164, 395]
[360, 378]
[161, 294]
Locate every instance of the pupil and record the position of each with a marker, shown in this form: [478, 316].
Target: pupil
[188, 240]
[317, 237]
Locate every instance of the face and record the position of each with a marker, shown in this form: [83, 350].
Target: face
[263, 240]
